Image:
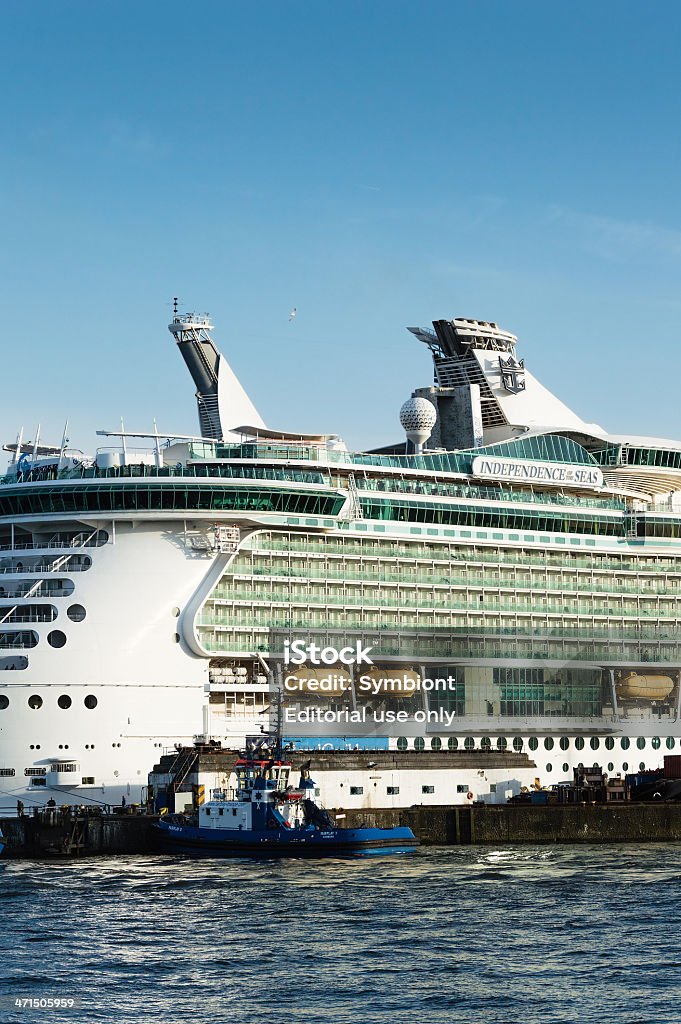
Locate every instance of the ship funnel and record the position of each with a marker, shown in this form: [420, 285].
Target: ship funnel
[222, 402]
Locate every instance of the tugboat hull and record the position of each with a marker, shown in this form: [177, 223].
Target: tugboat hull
[296, 842]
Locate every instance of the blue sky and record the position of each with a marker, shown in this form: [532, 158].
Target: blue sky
[374, 164]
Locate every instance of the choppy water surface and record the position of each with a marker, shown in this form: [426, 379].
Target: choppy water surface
[521, 934]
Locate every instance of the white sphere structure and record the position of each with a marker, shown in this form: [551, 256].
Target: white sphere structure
[418, 417]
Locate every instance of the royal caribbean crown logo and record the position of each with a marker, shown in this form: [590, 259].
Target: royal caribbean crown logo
[512, 374]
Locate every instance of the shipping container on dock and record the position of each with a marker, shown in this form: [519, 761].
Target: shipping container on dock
[672, 766]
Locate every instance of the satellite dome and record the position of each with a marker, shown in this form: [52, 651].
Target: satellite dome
[418, 417]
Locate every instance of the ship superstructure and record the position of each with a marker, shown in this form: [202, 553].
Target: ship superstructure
[530, 557]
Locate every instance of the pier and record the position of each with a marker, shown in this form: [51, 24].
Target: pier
[50, 836]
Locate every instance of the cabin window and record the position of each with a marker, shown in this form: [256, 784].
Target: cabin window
[234, 813]
[427, 789]
[393, 790]
[462, 789]
[356, 790]
[208, 811]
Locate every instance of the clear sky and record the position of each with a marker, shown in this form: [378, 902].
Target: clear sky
[375, 164]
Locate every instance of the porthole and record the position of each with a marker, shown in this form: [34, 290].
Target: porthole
[64, 701]
[176, 638]
[611, 766]
[419, 743]
[4, 701]
[176, 612]
[548, 743]
[469, 743]
[579, 743]
[533, 743]
[641, 743]
[76, 612]
[609, 743]
[436, 743]
[485, 743]
[625, 766]
[453, 743]
[594, 743]
[56, 638]
[564, 743]
[625, 742]
[549, 768]
[655, 742]
[35, 702]
[90, 701]
[641, 766]
[517, 743]
[566, 766]
[401, 743]
[502, 743]
[669, 741]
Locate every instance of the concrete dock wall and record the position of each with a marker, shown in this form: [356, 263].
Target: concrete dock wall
[570, 823]
[55, 836]
[449, 826]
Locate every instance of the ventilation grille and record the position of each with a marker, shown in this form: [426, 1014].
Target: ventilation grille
[454, 373]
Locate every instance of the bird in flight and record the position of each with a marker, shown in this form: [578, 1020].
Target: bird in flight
[292, 315]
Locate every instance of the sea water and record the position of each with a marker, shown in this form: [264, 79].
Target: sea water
[473, 934]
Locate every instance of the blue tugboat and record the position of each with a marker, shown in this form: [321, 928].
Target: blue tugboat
[267, 817]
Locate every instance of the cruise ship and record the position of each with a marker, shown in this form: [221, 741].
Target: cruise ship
[148, 592]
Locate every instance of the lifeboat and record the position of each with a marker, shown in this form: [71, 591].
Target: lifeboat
[636, 687]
